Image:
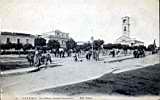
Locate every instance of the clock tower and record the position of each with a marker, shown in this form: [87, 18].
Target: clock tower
[125, 37]
[125, 26]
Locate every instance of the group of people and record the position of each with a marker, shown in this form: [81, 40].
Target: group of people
[139, 53]
[38, 58]
[94, 54]
[89, 54]
[59, 53]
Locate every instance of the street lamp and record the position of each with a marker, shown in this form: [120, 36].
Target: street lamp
[92, 39]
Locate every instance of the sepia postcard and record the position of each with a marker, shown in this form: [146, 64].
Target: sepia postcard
[79, 50]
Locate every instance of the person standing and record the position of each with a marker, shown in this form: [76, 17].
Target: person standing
[37, 59]
[75, 57]
[48, 58]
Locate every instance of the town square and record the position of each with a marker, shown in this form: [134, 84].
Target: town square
[79, 48]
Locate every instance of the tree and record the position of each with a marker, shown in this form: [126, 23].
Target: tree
[39, 42]
[86, 46]
[125, 47]
[53, 44]
[70, 44]
[151, 47]
[108, 46]
[79, 48]
[117, 46]
[27, 47]
[7, 46]
[3, 46]
[18, 46]
[97, 44]
[142, 47]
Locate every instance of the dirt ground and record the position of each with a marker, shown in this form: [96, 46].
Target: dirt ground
[145, 81]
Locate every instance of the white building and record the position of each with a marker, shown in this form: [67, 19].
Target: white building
[61, 37]
[14, 37]
[125, 38]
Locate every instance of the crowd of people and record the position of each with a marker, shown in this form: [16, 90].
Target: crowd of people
[88, 55]
[39, 57]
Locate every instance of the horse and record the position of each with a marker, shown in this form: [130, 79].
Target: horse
[30, 58]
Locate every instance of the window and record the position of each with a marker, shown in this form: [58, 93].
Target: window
[18, 40]
[8, 40]
[27, 40]
[125, 28]
[124, 21]
[67, 36]
[57, 33]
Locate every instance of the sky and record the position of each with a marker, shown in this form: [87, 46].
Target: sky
[82, 18]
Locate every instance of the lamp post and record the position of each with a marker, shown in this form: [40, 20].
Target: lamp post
[92, 39]
[0, 34]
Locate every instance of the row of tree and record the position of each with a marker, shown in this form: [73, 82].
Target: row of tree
[99, 44]
[53, 44]
[16, 46]
[150, 47]
[40, 43]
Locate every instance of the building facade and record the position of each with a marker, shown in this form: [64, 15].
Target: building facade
[125, 38]
[14, 37]
[58, 35]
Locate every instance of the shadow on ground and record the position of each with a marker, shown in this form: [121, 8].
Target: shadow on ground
[145, 81]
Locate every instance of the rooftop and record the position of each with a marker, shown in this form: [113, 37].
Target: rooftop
[16, 34]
